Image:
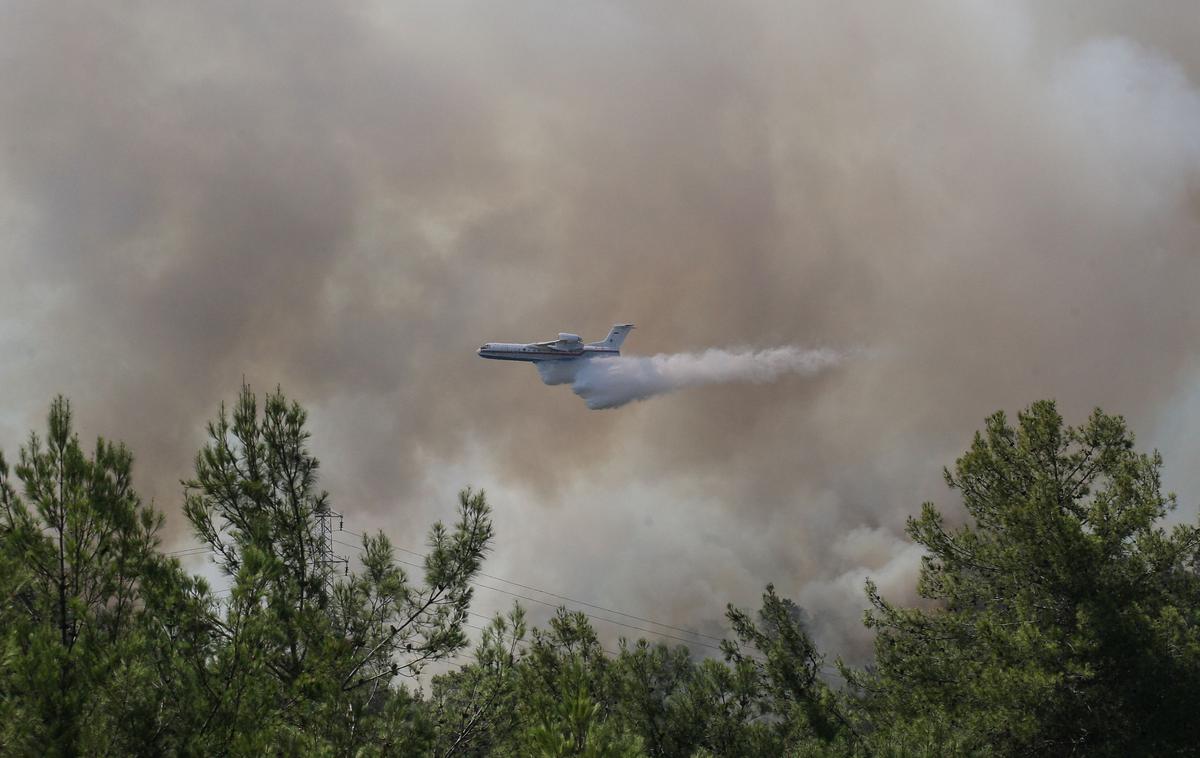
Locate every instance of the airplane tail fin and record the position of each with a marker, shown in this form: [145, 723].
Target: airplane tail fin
[616, 336]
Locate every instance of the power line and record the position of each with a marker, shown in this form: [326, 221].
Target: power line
[604, 650]
[588, 615]
[571, 600]
[188, 552]
[558, 605]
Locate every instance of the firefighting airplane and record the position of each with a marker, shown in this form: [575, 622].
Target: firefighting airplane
[567, 347]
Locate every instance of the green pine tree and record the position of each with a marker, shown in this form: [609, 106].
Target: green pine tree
[298, 658]
[76, 551]
[1065, 616]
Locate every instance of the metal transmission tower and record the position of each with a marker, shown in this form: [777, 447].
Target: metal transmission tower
[330, 561]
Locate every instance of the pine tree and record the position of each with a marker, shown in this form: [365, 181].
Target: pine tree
[299, 659]
[1065, 615]
[787, 671]
[475, 706]
[76, 551]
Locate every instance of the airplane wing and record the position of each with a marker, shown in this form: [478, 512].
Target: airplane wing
[563, 339]
[565, 342]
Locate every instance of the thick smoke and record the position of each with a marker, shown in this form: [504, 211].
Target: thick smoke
[347, 198]
[606, 382]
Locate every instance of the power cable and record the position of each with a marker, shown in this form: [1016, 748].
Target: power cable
[606, 651]
[555, 605]
[655, 632]
[187, 552]
[577, 601]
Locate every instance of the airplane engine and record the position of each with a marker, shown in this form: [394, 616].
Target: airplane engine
[568, 337]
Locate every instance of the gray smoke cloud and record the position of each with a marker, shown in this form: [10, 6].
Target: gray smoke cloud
[347, 199]
[610, 382]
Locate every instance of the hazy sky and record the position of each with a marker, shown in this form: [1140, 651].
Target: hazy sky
[999, 201]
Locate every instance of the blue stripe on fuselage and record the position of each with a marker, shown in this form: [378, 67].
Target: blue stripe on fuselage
[536, 356]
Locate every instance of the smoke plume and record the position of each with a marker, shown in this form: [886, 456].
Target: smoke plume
[345, 199]
[612, 382]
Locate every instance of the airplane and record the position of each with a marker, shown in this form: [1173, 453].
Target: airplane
[567, 347]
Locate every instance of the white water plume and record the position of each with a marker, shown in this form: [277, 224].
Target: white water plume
[613, 382]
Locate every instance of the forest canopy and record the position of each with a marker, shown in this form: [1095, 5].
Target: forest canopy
[1060, 616]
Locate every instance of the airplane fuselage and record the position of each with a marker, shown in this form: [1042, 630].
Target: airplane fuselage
[567, 347]
[534, 352]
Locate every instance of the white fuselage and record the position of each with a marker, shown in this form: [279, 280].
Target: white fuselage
[568, 347]
[535, 352]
